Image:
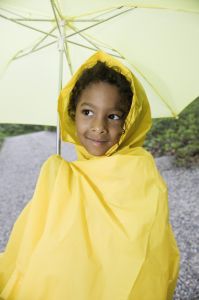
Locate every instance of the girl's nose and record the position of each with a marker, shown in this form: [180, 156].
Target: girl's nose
[99, 126]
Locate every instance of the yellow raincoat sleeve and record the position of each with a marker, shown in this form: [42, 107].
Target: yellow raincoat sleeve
[28, 228]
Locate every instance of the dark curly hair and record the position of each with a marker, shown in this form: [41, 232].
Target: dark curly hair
[101, 72]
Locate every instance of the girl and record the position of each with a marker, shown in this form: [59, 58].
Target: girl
[97, 228]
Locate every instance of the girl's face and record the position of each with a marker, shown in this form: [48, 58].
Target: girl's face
[99, 117]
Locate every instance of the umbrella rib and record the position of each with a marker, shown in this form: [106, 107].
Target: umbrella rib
[11, 12]
[31, 20]
[81, 45]
[93, 49]
[66, 49]
[166, 104]
[27, 26]
[81, 30]
[43, 39]
[103, 11]
[58, 11]
[156, 91]
[68, 57]
[103, 45]
[85, 20]
[120, 56]
[149, 83]
[72, 19]
[69, 42]
[109, 10]
[56, 19]
[24, 19]
[35, 50]
[140, 6]
[85, 38]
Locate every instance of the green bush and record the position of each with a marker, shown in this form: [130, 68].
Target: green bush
[178, 137]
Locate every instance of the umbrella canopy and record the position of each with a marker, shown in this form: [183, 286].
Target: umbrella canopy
[157, 40]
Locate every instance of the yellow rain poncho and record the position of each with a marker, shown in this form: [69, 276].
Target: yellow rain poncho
[96, 228]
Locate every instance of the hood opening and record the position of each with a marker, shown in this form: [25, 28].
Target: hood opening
[138, 120]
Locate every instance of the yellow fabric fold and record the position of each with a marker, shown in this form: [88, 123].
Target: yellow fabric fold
[97, 228]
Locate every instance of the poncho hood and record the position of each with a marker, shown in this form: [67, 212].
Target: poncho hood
[138, 121]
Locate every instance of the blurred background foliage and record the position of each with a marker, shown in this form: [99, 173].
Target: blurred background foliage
[168, 136]
[177, 137]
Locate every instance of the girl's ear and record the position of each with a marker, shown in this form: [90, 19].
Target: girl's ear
[124, 127]
[72, 115]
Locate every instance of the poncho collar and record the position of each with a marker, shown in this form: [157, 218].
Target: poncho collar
[138, 121]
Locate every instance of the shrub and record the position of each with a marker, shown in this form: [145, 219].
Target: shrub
[178, 137]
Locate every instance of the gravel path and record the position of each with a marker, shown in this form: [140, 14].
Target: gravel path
[21, 158]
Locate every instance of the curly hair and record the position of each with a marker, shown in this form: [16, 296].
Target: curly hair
[100, 72]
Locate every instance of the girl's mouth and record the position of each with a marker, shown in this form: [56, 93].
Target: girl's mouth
[97, 142]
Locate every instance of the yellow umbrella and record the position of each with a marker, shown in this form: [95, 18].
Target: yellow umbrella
[157, 40]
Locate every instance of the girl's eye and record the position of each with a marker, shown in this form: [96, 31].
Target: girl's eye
[114, 117]
[87, 112]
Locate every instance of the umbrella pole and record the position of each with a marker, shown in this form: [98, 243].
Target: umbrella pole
[61, 54]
